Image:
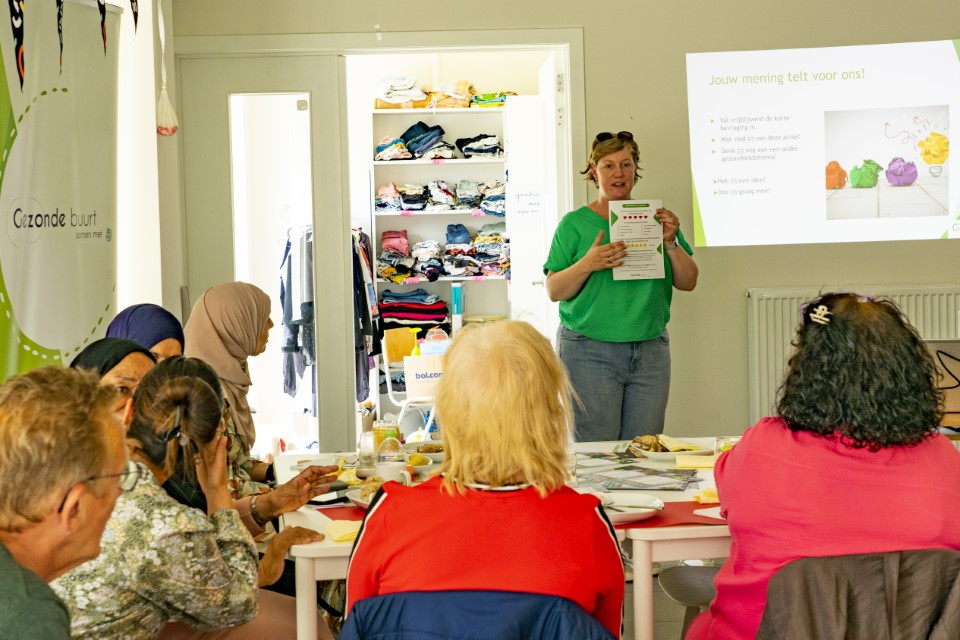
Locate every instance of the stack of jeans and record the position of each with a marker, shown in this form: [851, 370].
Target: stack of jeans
[484, 145]
[421, 137]
[494, 202]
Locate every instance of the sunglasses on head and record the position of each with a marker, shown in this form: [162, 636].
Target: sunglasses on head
[603, 136]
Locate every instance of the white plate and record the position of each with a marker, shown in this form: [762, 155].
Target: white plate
[633, 512]
[354, 497]
[411, 447]
[706, 445]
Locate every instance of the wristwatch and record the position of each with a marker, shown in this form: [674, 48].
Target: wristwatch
[668, 247]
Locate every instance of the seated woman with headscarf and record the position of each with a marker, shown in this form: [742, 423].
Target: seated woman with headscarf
[151, 326]
[229, 324]
[120, 363]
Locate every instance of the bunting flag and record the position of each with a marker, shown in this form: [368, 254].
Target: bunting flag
[102, 6]
[16, 21]
[136, 12]
[60, 31]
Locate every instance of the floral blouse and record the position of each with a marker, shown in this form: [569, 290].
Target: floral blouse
[239, 465]
[162, 561]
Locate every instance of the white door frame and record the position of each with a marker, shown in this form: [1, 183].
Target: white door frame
[185, 47]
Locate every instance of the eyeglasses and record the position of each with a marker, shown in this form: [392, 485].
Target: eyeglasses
[128, 480]
[603, 136]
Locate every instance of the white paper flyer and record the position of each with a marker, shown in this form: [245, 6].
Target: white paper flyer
[633, 222]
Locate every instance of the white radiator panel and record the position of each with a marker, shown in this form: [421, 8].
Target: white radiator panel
[773, 316]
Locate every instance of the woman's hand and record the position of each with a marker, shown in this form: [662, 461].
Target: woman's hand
[292, 495]
[271, 564]
[604, 256]
[671, 224]
[212, 474]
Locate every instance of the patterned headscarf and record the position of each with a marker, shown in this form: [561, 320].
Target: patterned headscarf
[146, 324]
[223, 330]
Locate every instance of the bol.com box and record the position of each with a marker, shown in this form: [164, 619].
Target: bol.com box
[422, 374]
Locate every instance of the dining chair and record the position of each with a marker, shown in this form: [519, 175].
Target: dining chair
[398, 343]
[881, 596]
[691, 587]
[473, 615]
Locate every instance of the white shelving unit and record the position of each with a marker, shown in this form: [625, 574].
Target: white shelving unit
[484, 295]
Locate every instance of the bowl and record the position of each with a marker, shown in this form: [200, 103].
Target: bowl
[354, 497]
[411, 447]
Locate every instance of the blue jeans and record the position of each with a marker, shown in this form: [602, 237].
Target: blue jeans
[623, 385]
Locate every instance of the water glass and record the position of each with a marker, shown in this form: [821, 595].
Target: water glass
[367, 450]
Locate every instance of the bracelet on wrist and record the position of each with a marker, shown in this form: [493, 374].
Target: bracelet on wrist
[670, 247]
[256, 514]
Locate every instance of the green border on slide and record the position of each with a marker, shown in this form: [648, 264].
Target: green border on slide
[699, 237]
[18, 353]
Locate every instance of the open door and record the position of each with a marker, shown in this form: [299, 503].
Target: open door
[212, 180]
[537, 138]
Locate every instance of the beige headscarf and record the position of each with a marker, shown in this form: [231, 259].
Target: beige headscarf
[223, 330]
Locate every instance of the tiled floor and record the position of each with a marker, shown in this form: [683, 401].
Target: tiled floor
[667, 614]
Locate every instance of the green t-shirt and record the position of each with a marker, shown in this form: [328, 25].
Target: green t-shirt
[29, 609]
[606, 309]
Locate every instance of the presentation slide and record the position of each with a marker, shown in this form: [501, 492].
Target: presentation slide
[840, 144]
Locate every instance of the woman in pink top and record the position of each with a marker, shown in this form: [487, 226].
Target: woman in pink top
[852, 464]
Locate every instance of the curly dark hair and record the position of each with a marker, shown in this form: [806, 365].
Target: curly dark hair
[862, 373]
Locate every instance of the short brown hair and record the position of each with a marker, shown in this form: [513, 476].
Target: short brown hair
[612, 145]
[504, 403]
[53, 434]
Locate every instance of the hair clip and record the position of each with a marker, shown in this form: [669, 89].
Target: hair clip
[819, 314]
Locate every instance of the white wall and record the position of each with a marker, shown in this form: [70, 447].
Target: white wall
[138, 210]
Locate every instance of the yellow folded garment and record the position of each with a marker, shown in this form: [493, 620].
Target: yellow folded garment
[692, 461]
[343, 530]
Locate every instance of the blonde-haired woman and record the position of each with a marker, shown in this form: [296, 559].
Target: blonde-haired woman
[498, 517]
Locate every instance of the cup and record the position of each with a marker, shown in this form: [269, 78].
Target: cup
[725, 443]
[367, 450]
[380, 429]
[396, 471]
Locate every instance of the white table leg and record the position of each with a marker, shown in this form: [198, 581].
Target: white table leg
[306, 581]
[642, 590]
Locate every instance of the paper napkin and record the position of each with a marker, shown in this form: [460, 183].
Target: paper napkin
[343, 530]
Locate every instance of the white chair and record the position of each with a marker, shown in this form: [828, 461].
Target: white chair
[398, 343]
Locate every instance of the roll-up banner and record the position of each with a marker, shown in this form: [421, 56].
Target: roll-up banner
[58, 124]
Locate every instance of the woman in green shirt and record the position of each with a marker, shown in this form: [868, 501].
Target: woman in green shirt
[613, 337]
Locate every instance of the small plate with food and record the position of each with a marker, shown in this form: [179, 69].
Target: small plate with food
[665, 448]
[362, 496]
[432, 449]
[419, 461]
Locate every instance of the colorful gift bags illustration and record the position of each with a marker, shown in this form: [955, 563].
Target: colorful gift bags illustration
[865, 175]
[901, 173]
[836, 176]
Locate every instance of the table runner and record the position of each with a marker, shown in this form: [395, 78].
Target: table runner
[674, 513]
[347, 512]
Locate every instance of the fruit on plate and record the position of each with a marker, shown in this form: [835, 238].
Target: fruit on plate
[418, 460]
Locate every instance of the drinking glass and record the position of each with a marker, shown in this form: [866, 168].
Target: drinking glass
[367, 449]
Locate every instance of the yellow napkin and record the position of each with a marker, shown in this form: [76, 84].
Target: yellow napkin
[707, 496]
[687, 461]
[343, 530]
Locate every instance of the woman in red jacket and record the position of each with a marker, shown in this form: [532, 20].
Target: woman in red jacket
[499, 516]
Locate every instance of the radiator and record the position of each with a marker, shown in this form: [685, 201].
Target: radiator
[774, 314]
